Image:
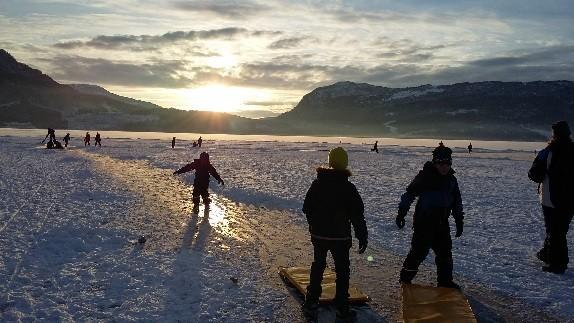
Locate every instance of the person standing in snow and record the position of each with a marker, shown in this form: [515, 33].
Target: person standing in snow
[553, 169]
[66, 139]
[199, 141]
[332, 205]
[98, 140]
[469, 147]
[438, 196]
[173, 142]
[87, 139]
[203, 169]
[51, 134]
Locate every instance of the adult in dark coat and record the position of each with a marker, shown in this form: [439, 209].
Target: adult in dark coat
[87, 139]
[438, 196]
[553, 169]
[98, 140]
[51, 133]
[203, 169]
[332, 205]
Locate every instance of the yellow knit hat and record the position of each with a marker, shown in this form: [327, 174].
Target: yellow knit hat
[338, 158]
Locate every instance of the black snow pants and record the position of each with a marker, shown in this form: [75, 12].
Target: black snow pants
[340, 252]
[430, 232]
[557, 223]
[200, 190]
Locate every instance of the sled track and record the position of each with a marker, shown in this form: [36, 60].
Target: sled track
[34, 235]
[9, 191]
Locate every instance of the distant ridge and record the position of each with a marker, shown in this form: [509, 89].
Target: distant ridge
[488, 110]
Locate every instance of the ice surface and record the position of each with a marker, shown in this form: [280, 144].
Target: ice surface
[68, 221]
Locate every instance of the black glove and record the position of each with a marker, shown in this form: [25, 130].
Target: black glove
[362, 246]
[221, 182]
[400, 220]
[459, 227]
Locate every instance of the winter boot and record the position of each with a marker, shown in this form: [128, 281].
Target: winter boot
[448, 284]
[344, 313]
[310, 308]
[407, 276]
[542, 256]
[554, 269]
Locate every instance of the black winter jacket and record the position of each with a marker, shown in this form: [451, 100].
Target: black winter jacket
[560, 173]
[439, 195]
[202, 172]
[332, 204]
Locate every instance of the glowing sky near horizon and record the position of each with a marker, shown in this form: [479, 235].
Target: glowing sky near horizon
[260, 57]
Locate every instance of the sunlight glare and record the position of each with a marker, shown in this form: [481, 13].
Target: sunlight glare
[217, 98]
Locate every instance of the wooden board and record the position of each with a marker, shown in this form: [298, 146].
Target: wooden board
[299, 277]
[435, 304]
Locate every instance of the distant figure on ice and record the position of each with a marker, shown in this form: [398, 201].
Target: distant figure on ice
[438, 196]
[469, 147]
[51, 134]
[375, 147]
[194, 144]
[54, 144]
[199, 141]
[203, 169]
[98, 140]
[87, 139]
[66, 139]
[173, 142]
[553, 169]
[332, 205]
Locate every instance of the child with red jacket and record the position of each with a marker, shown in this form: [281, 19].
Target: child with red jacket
[203, 169]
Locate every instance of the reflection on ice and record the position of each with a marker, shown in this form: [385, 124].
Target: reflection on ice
[215, 214]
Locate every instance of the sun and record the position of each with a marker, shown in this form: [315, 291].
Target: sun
[217, 98]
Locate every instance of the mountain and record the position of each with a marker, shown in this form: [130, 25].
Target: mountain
[485, 110]
[482, 110]
[29, 98]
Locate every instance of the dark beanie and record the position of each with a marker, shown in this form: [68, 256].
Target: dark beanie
[441, 153]
[561, 129]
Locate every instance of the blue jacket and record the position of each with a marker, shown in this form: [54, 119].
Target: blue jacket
[439, 195]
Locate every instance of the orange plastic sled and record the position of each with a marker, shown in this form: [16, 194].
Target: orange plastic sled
[435, 304]
[299, 277]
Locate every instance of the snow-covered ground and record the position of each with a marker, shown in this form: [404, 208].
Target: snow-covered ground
[69, 221]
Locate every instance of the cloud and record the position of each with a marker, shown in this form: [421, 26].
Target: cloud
[166, 74]
[544, 64]
[406, 50]
[146, 42]
[286, 43]
[227, 9]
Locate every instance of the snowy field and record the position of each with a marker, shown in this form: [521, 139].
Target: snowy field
[69, 221]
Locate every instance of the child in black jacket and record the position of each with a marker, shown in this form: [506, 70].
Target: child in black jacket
[438, 196]
[331, 206]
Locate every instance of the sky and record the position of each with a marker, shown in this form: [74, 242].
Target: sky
[258, 58]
